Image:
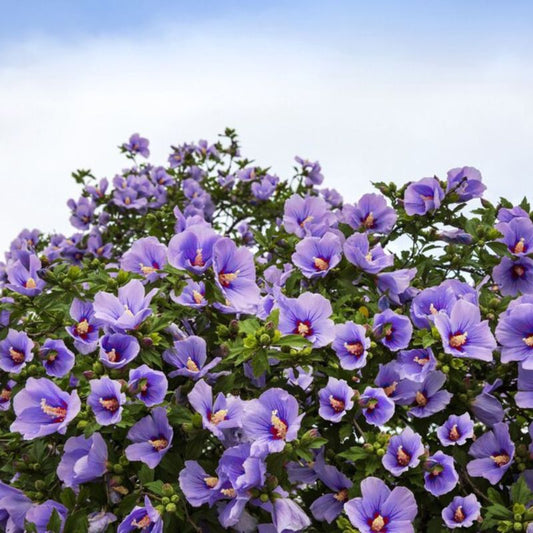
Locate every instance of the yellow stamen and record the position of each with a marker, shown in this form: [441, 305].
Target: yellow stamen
[279, 428]
[230, 493]
[320, 264]
[368, 222]
[303, 329]
[456, 341]
[377, 524]
[58, 413]
[368, 257]
[211, 481]
[501, 460]
[520, 246]
[306, 220]
[159, 444]
[198, 259]
[198, 298]
[147, 270]
[391, 388]
[127, 310]
[519, 270]
[127, 200]
[16, 355]
[111, 404]
[355, 348]
[227, 277]
[402, 457]
[433, 310]
[421, 399]
[113, 356]
[421, 360]
[454, 433]
[5, 394]
[142, 523]
[336, 404]
[82, 327]
[191, 365]
[217, 417]
[529, 340]
[342, 495]
[459, 516]
[30, 283]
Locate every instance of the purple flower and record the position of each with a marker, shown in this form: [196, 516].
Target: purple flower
[117, 350]
[128, 310]
[514, 276]
[395, 284]
[461, 511]
[515, 334]
[440, 476]
[486, 406]
[308, 216]
[225, 412]
[82, 212]
[106, 400]
[302, 380]
[394, 331]
[42, 408]
[189, 356]
[517, 235]
[316, 256]
[14, 505]
[416, 364]
[15, 351]
[145, 257]
[235, 275]
[146, 519]
[308, 316]
[263, 190]
[380, 509]
[149, 386]
[423, 196]
[403, 452]
[242, 470]
[351, 345]
[271, 420]
[288, 516]
[57, 359]
[151, 437]
[506, 215]
[23, 275]
[192, 295]
[388, 378]
[371, 213]
[377, 407]
[427, 304]
[464, 334]
[84, 459]
[335, 399]
[5, 394]
[137, 145]
[85, 330]
[40, 515]
[466, 182]
[99, 521]
[524, 396]
[358, 252]
[192, 249]
[493, 453]
[456, 430]
[197, 485]
[311, 171]
[129, 198]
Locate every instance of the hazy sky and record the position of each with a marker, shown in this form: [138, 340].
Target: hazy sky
[387, 90]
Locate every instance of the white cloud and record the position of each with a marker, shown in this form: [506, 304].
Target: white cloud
[364, 118]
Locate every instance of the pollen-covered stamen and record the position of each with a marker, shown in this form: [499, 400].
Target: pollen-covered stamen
[454, 433]
[30, 284]
[518, 271]
[501, 460]
[198, 297]
[16, 355]
[421, 360]
[147, 270]
[110, 404]
[433, 310]
[370, 404]
[436, 470]
[218, 416]
[191, 365]
[229, 493]
[142, 523]
[159, 444]
[82, 327]
[198, 259]
[226, 278]
[113, 356]
[303, 328]
[421, 399]
[369, 257]
[426, 197]
[520, 247]
[342, 495]
[5, 394]
[278, 428]
[51, 356]
[529, 340]
[368, 222]
[127, 310]
[320, 263]
[458, 340]
[57, 413]
[378, 523]
[355, 348]
[459, 516]
[211, 481]
[306, 220]
[336, 404]
[387, 331]
[390, 389]
[402, 456]
[127, 200]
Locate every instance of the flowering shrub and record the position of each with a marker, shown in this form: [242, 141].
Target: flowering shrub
[218, 348]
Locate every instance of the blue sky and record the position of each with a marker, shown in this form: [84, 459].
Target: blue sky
[382, 90]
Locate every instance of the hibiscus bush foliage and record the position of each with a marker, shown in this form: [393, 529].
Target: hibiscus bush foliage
[217, 348]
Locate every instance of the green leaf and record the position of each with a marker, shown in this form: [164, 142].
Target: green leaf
[68, 498]
[520, 492]
[146, 474]
[260, 363]
[294, 341]
[54, 524]
[155, 486]
[355, 453]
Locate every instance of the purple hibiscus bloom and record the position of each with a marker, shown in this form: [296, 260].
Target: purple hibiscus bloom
[128, 310]
[462, 512]
[242, 470]
[466, 182]
[308, 216]
[395, 285]
[426, 397]
[137, 145]
[14, 505]
[372, 260]
[99, 521]
[192, 249]
[506, 215]
[486, 407]
[380, 509]
[288, 516]
[106, 400]
[23, 275]
[351, 345]
[440, 476]
[329, 506]
[456, 430]
[225, 412]
[198, 486]
[335, 399]
[308, 316]
[271, 420]
[464, 334]
[303, 379]
[129, 198]
[15, 351]
[117, 350]
[40, 515]
[82, 212]
[316, 256]
[428, 302]
[85, 330]
[388, 378]
[377, 407]
[235, 275]
[517, 235]
[5, 394]
[145, 257]
[514, 276]
[145, 519]
[416, 364]
[493, 453]
[524, 396]
[403, 452]
[57, 359]
[423, 196]
[42, 408]
[394, 331]
[263, 189]
[192, 295]
[189, 357]
[515, 334]
[149, 386]
[151, 437]
[84, 459]
[370, 213]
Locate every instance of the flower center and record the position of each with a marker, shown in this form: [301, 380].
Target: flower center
[198, 259]
[198, 297]
[355, 348]
[368, 257]
[191, 365]
[336, 404]
[51, 356]
[5, 394]
[436, 470]
[110, 404]
[113, 356]
[368, 222]
[519, 270]
[226, 278]
[211, 481]
[147, 270]
[127, 200]
[16, 355]
[378, 524]
[321, 263]
[127, 310]
[306, 220]
[391, 388]
[57, 413]
[421, 399]
[342, 495]
[501, 460]
[159, 444]
[142, 523]
[520, 247]
[303, 328]
[230, 493]
[529, 340]
[459, 516]
[454, 433]
[218, 416]
[458, 340]
[30, 284]
[402, 457]
[82, 328]
[433, 310]
[278, 427]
